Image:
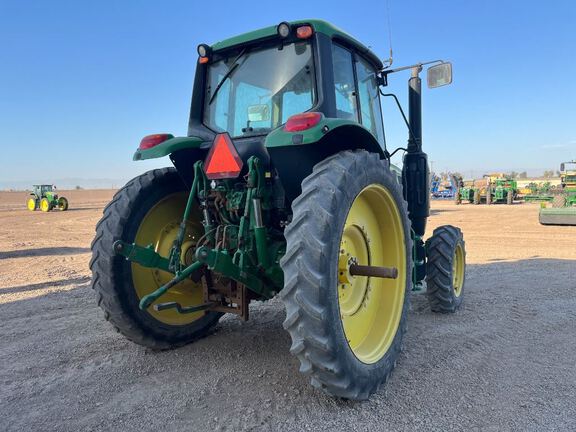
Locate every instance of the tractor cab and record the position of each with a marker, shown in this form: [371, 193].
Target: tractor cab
[568, 175]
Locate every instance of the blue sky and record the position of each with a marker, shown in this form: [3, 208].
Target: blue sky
[81, 82]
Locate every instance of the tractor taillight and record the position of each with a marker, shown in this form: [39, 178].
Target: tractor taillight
[223, 160]
[150, 141]
[303, 121]
[304, 32]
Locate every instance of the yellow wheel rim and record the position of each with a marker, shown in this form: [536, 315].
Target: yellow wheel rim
[31, 204]
[371, 308]
[44, 205]
[159, 228]
[458, 270]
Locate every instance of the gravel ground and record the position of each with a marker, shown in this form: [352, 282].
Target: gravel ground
[506, 361]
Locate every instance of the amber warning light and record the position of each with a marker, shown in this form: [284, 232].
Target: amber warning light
[223, 160]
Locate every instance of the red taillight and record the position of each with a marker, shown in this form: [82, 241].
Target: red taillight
[223, 160]
[304, 32]
[203, 60]
[300, 122]
[153, 140]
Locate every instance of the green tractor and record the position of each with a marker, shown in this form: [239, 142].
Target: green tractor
[563, 210]
[500, 189]
[283, 186]
[471, 194]
[45, 198]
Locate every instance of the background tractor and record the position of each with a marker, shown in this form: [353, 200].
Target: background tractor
[45, 198]
[469, 191]
[563, 210]
[500, 188]
[283, 185]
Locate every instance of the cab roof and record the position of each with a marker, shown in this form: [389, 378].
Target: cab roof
[319, 26]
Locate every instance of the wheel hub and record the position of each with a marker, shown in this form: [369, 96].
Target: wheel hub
[371, 307]
[354, 249]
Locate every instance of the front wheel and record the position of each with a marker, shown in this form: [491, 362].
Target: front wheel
[148, 211]
[510, 198]
[45, 205]
[446, 269]
[62, 204]
[347, 330]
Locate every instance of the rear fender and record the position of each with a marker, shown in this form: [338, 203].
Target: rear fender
[294, 154]
[167, 147]
[337, 133]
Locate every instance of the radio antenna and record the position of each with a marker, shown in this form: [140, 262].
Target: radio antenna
[388, 63]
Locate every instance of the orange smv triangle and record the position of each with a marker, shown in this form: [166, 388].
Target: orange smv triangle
[223, 160]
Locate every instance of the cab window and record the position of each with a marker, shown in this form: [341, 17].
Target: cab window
[370, 111]
[344, 85]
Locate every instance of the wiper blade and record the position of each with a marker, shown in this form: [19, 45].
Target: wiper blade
[227, 75]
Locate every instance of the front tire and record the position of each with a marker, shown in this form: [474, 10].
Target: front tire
[147, 211]
[62, 204]
[446, 269]
[347, 331]
[45, 205]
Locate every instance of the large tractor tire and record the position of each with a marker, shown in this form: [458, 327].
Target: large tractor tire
[45, 205]
[32, 204]
[347, 330]
[488, 196]
[62, 204]
[510, 198]
[446, 269]
[148, 210]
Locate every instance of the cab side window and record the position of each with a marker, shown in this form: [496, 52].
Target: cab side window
[344, 85]
[370, 111]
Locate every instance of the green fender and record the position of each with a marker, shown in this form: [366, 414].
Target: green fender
[169, 146]
[348, 133]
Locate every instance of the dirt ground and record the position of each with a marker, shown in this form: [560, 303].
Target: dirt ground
[504, 362]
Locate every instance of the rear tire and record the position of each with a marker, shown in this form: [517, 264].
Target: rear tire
[457, 199]
[446, 269]
[113, 277]
[510, 197]
[488, 196]
[32, 204]
[345, 351]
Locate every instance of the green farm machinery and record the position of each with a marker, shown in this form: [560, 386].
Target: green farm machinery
[45, 198]
[470, 193]
[563, 210]
[284, 185]
[538, 192]
[497, 188]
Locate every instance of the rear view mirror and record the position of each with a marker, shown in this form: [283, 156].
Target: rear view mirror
[439, 75]
[562, 167]
[258, 113]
